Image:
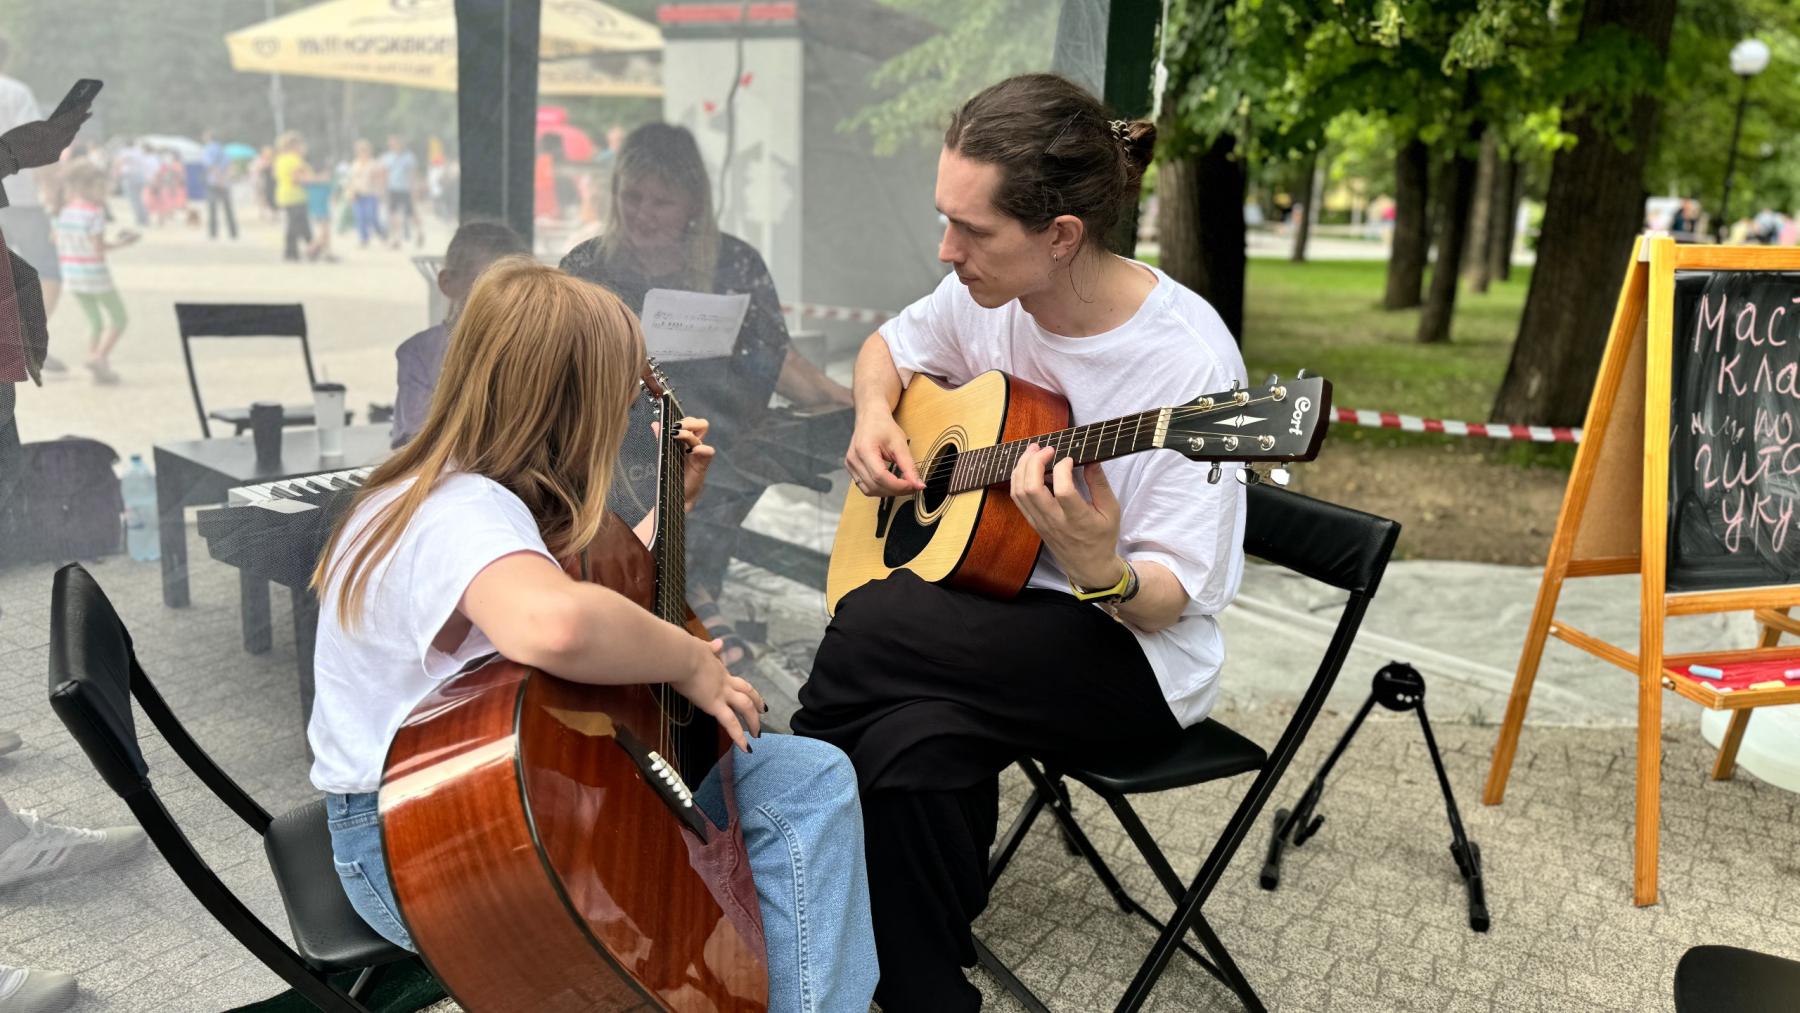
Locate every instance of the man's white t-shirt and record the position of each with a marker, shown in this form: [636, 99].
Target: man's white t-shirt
[1172, 350]
[367, 683]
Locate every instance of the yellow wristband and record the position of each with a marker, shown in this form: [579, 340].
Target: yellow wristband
[1114, 592]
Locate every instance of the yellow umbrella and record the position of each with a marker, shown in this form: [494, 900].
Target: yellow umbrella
[414, 44]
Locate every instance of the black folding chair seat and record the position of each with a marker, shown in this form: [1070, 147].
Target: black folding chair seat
[1206, 752]
[239, 418]
[1726, 979]
[94, 677]
[1345, 548]
[328, 933]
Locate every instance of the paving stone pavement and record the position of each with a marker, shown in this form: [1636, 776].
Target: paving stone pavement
[1370, 914]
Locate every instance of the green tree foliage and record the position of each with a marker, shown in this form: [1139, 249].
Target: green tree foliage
[978, 42]
[1689, 158]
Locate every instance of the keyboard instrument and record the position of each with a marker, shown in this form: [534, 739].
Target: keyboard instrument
[277, 530]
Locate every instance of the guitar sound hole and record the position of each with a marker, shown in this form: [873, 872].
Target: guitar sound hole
[937, 479]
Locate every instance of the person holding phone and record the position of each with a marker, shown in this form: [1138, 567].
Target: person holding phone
[33, 848]
[24, 219]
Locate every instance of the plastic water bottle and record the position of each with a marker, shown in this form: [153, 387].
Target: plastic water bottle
[142, 536]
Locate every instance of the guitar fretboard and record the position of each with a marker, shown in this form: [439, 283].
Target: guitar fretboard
[1096, 441]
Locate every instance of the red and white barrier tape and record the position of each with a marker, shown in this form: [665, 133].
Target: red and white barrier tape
[850, 313]
[1491, 430]
[1349, 416]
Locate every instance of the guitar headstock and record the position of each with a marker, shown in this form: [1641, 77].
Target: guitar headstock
[656, 386]
[1279, 421]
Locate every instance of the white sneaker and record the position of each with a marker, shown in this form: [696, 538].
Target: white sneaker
[27, 991]
[49, 849]
[9, 741]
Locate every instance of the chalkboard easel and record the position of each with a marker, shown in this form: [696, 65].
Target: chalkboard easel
[1705, 339]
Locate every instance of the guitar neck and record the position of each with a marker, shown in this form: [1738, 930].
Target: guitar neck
[1097, 441]
[670, 550]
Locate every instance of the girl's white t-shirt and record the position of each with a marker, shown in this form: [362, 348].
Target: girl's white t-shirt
[366, 683]
[1172, 350]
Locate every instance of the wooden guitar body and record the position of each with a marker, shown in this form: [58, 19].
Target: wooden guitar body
[977, 539]
[537, 859]
[963, 528]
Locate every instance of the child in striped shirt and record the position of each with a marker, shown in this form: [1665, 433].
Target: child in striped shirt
[81, 247]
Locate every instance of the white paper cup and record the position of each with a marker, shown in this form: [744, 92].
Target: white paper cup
[328, 415]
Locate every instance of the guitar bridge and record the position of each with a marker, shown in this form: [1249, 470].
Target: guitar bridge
[665, 780]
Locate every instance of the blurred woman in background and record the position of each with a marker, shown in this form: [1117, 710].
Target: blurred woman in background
[662, 234]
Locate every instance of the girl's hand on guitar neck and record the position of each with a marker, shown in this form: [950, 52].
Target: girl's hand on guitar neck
[1082, 535]
[692, 435]
[877, 450]
[732, 702]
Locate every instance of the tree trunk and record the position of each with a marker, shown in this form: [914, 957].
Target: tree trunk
[1505, 210]
[1178, 220]
[1306, 212]
[1200, 216]
[1406, 260]
[1452, 235]
[1595, 206]
[1481, 214]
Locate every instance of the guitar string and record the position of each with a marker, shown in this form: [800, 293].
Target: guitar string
[1112, 428]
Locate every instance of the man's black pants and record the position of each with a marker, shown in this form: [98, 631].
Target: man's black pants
[932, 692]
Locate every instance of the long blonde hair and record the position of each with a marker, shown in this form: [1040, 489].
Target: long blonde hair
[536, 384]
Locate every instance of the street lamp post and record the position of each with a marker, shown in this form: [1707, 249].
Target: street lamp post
[1748, 59]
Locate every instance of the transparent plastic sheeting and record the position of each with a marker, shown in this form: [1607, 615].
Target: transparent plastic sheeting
[818, 124]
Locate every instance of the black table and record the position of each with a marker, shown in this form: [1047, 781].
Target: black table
[201, 472]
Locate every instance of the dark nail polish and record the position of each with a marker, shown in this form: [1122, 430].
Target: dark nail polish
[748, 748]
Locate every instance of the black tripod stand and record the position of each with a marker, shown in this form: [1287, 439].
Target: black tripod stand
[1398, 687]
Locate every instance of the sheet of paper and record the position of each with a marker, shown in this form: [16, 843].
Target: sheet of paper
[692, 325]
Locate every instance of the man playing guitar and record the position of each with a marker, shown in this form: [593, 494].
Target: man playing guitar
[933, 690]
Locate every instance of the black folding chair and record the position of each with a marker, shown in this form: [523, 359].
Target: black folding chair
[94, 674]
[1344, 548]
[242, 320]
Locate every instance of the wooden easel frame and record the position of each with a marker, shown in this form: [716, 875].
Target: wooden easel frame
[1623, 498]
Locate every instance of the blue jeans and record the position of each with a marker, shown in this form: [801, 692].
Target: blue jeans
[367, 208]
[355, 824]
[802, 824]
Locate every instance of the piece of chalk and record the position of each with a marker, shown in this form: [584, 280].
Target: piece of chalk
[1771, 684]
[1791, 673]
[1706, 670]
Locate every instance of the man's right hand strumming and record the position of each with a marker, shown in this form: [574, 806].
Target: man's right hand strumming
[879, 460]
[878, 449]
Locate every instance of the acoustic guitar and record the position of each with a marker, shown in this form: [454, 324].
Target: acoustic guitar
[963, 528]
[541, 839]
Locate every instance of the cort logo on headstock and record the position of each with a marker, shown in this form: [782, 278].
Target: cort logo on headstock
[1301, 407]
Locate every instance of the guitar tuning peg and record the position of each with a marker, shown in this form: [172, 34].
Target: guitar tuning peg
[1274, 379]
[1248, 476]
[1280, 476]
[1212, 474]
[1301, 375]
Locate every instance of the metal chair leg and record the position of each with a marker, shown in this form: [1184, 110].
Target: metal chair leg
[366, 982]
[1060, 808]
[1008, 980]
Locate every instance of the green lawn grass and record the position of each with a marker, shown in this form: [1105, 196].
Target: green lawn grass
[1326, 316]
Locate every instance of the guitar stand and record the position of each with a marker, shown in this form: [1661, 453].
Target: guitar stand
[1398, 687]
